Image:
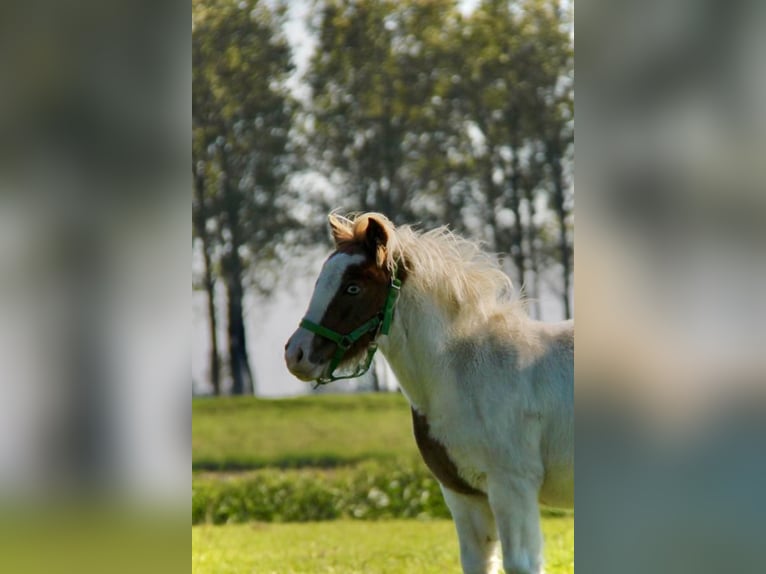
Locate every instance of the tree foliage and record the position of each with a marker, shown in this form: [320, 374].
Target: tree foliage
[429, 114]
[376, 78]
[241, 120]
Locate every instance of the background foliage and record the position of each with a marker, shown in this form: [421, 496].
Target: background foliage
[426, 111]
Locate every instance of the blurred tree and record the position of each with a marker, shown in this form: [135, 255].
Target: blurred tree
[556, 124]
[242, 115]
[203, 208]
[513, 88]
[428, 115]
[551, 125]
[200, 210]
[376, 78]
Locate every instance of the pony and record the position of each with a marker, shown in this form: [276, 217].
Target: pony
[490, 389]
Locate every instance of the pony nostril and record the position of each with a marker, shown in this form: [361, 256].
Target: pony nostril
[299, 357]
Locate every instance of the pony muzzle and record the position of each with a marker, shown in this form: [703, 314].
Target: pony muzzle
[343, 344]
[298, 357]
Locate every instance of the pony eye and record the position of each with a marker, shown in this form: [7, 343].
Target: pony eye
[353, 289]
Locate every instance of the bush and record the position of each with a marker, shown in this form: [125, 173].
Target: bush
[368, 491]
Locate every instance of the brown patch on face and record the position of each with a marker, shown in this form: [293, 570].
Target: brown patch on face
[348, 311]
[367, 235]
[437, 458]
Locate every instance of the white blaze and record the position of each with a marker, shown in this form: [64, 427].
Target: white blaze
[329, 282]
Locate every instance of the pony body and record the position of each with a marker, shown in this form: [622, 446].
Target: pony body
[491, 389]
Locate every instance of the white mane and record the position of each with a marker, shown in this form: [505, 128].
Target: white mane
[455, 271]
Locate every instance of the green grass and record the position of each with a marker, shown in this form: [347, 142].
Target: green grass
[348, 547]
[236, 433]
[334, 458]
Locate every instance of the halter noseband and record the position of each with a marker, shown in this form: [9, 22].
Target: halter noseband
[379, 325]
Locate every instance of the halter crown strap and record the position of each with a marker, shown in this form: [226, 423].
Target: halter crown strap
[379, 324]
[388, 309]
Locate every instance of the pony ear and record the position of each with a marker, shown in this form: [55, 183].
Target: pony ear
[376, 240]
[339, 229]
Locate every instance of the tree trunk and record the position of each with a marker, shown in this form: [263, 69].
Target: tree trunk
[200, 221]
[554, 153]
[492, 195]
[215, 359]
[241, 375]
[239, 364]
[517, 233]
[534, 265]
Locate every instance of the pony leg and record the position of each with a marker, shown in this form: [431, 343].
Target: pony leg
[514, 504]
[476, 531]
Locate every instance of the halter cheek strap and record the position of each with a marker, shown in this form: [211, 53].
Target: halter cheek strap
[380, 324]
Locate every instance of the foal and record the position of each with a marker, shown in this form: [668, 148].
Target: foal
[491, 390]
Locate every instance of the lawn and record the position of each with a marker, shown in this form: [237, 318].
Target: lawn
[350, 547]
[236, 433]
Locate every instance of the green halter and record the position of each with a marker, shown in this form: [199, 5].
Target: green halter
[379, 325]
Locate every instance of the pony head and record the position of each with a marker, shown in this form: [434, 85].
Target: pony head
[352, 290]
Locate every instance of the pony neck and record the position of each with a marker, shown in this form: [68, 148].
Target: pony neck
[415, 348]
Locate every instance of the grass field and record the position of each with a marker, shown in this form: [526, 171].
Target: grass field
[265, 470]
[351, 547]
[235, 433]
